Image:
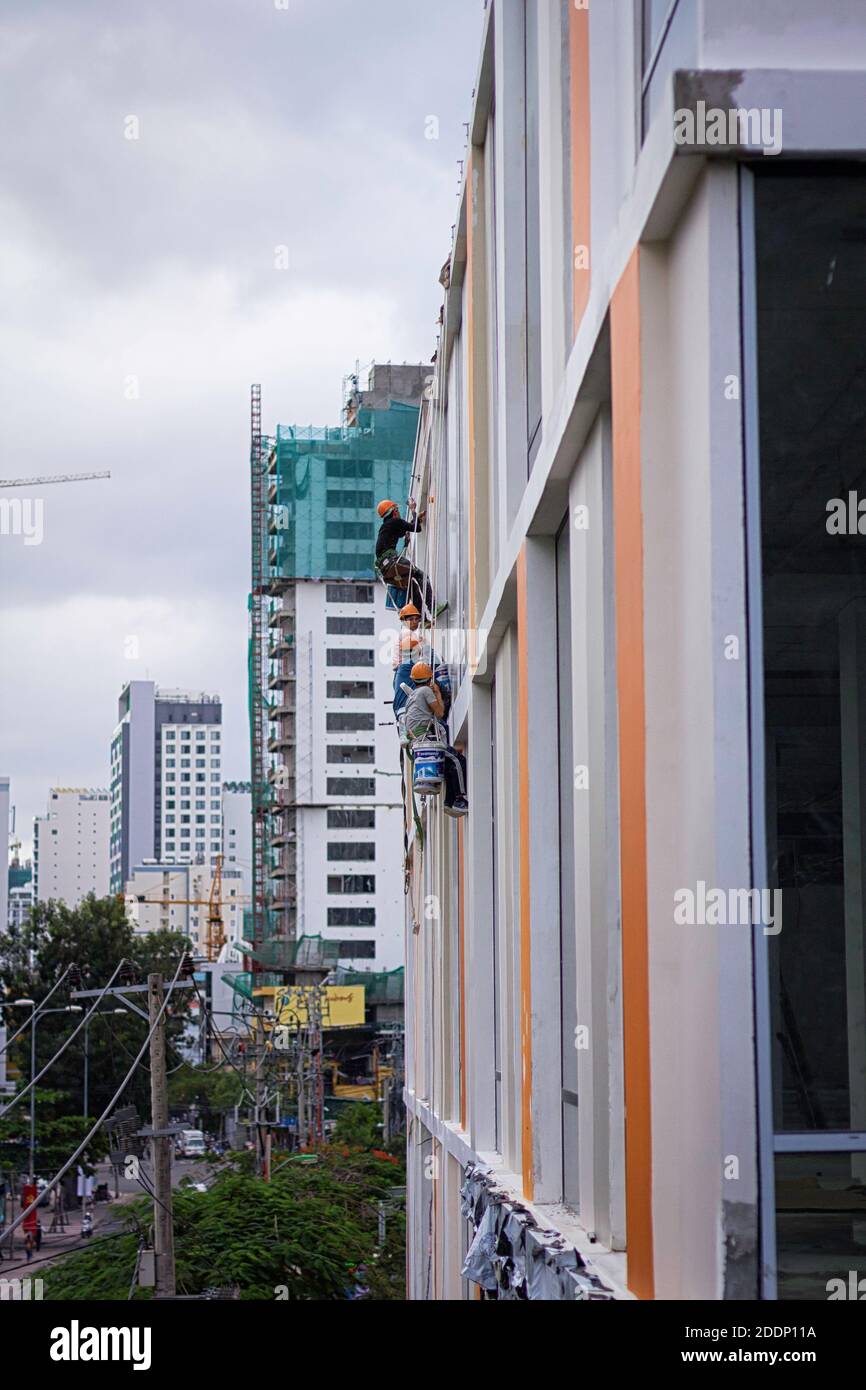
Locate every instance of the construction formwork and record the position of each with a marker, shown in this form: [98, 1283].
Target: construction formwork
[314, 493]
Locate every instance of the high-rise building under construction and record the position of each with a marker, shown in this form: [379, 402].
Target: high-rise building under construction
[327, 810]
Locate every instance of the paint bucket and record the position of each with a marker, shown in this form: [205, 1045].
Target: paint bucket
[427, 773]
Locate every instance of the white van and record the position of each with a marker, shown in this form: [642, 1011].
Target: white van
[191, 1144]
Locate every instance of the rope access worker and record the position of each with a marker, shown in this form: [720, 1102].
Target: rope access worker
[424, 714]
[397, 569]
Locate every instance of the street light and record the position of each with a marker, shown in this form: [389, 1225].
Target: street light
[35, 1015]
[101, 1013]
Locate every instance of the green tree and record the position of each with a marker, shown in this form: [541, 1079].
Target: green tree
[309, 1234]
[95, 937]
[359, 1125]
[57, 1134]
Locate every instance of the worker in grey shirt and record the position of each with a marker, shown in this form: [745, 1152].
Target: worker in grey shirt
[424, 709]
[425, 703]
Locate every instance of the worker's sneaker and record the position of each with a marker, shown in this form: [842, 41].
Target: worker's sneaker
[459, 808]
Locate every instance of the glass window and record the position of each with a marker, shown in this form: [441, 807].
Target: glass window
[810, 285]
[340, 818]
[350, 753]
[350, 627]
[350, 656]
[533, 234]
[350, 690]
[349, 593]
[357, 950]
[337, 722]
[185, 762]
[351, 786]
[351, 916]
[351, 849]
[669, 42]
[351, 883]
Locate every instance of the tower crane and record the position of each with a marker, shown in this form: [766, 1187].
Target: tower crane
[51, 478]
[215, 938]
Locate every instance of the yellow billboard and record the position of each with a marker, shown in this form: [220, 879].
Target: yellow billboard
[342, 1006]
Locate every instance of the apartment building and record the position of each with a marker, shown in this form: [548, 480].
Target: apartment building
[166, 779]
[20, 893]
[327, 843]
[635, 987]
[70, 846]
[4, 830]
[176, 898]
[237, 845]
[350, 811]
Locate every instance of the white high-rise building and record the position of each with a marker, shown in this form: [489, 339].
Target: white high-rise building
[349, 837]
[4, 863]
[237, 832]
[166, 779]
[175, 897]
[70, 846]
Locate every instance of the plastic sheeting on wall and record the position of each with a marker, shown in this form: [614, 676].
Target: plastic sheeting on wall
[511, 1257]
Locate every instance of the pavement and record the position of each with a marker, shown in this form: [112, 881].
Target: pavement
[107, 1217]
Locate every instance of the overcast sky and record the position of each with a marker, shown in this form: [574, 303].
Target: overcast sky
[140, 297]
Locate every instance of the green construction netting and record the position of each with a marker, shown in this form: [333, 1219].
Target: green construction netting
[325, 488]
[382, 986]
[307, 953]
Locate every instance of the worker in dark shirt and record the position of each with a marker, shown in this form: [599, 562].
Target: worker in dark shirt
[397, 569]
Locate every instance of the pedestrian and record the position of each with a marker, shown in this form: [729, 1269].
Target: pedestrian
[29, 1244]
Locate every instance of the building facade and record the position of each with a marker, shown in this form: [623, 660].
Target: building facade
[4, 829]
[166, 779]
[636, 1006]
[20, 893]
[349, 818]
[237, 832]
[327, 843]
[70, 846]
[176, 897]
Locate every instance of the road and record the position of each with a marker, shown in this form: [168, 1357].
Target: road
[107, 1217]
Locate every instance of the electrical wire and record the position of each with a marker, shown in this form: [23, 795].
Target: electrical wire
[19, 1095]
[106, 1112]
[39, 1007]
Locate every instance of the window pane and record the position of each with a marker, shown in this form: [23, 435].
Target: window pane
[821, 1225]
[351, 849]
[340, 818]
[811, 291]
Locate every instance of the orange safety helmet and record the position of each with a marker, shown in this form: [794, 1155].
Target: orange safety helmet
[409, 611]
[421, 671]
[409, 641]
[385, 507]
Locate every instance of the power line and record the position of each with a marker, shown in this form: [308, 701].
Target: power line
[37, 1011]
[118, 1093]
[60, 1051]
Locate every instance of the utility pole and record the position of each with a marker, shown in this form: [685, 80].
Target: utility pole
[260, 1091]
[163, 1224]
